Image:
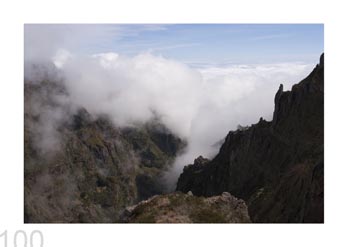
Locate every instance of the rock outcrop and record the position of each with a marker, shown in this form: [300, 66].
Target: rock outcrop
[186, 208]
[276, 166]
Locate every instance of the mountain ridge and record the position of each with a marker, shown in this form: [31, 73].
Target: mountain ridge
[277, 166]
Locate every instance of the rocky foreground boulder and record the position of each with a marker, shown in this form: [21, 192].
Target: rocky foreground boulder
[185, 208]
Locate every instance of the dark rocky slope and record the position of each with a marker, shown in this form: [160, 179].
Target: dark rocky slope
[80, 168]
[277, 167]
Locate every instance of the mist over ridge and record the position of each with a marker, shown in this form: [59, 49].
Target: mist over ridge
[199, 104]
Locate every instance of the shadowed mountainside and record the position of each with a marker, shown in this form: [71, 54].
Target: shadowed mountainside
[277, 167]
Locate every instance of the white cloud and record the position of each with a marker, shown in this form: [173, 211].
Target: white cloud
[131, 89]
[61, 57]
[201, 105]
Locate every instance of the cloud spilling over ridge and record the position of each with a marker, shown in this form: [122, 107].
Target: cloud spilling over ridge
[200, 105]
[131, 89]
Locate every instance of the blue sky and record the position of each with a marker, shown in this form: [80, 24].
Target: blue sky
[189, 43]
[216, 43]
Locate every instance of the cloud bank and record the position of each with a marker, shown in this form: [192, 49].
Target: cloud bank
[198, 104]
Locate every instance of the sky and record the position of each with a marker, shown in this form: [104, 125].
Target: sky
[214, 43]
[193, 43]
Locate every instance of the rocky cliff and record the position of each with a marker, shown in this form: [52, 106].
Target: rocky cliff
[276, 166]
